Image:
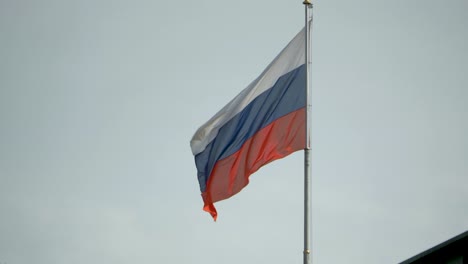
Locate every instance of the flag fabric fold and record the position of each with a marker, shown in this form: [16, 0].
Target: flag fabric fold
[265, 122]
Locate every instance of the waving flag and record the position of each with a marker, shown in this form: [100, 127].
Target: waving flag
[265, 122]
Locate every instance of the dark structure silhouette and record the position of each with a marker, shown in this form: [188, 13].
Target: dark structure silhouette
[452, 251]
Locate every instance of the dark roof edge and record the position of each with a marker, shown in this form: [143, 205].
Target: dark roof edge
[433, 249]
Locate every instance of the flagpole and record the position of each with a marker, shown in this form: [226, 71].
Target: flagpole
[307, 152]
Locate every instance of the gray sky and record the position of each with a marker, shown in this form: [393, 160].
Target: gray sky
[99, 100]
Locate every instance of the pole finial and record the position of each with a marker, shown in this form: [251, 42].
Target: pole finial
[307, 2]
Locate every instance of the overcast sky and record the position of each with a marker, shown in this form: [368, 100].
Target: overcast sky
[100, 98]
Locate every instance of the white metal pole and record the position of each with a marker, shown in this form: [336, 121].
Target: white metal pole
[307, 151]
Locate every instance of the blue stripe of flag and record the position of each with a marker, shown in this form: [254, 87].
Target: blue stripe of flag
[287, 95]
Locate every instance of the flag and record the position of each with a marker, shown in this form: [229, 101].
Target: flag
[265, 122]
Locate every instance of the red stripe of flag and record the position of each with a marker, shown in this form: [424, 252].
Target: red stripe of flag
[275, 141]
